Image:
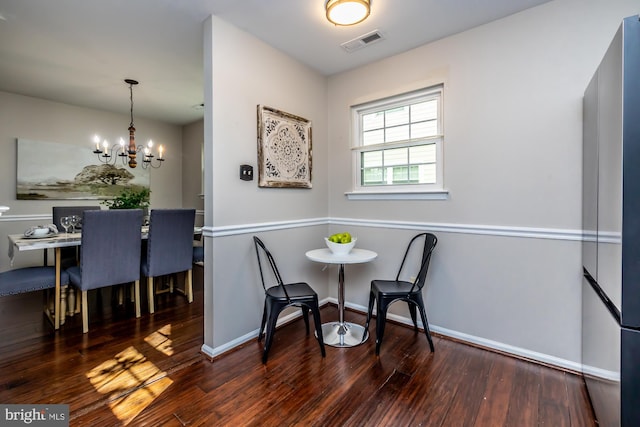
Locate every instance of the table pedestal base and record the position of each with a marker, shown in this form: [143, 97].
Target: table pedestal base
[345, 334]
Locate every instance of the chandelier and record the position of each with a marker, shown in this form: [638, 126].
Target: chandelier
[110, 155]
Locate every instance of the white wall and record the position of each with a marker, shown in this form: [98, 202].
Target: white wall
[512, 152]
[41, 120]
[192, 168]
[506, 272]
[245, 72]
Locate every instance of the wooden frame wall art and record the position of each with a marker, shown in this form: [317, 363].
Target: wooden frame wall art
[284, 149]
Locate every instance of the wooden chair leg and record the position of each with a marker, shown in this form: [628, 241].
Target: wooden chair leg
[189, 285]
[150, 295]
[85, 313]
[78, 300]
[63, 304]
[136, 292]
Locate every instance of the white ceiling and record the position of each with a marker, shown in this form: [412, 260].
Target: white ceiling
[79, 51]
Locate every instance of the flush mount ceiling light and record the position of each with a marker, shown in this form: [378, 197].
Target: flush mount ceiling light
[347, 12]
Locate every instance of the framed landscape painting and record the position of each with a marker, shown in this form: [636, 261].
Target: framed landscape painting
[284, 149]
[48, 170]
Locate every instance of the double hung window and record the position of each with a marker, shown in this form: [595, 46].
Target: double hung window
[398, 143]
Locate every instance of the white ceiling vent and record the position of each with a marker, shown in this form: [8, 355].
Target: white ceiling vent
[362, 41]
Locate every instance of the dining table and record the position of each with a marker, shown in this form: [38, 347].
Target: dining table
[57, 241]
[342, 333]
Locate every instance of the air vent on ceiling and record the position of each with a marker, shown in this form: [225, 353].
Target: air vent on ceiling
[362, 41]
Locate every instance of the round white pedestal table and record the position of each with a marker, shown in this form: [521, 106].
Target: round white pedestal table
[341, 333]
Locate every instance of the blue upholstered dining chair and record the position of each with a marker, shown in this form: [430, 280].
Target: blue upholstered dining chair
[198, 254]
[169, 249]
[109, 254]
[68, 256]
[30, 279]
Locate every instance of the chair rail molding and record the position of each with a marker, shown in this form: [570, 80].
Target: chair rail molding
[460, 228]
[25, 217]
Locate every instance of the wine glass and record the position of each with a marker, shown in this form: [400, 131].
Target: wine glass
[74, 219]
[65, 222]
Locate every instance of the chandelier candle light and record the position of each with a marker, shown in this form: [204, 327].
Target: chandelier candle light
[110, 155]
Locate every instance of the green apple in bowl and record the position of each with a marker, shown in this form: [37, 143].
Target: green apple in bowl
[340, 243]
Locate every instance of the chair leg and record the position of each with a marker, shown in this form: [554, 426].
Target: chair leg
[412, 311]
[85, 313]
[271, 328]
[150, 294]
[317, 322]
[380, 323]
[425, 323]
[136, 293]
[264, 321]
[189, 285]
[305, 316]
[120, 295]
[372, 299]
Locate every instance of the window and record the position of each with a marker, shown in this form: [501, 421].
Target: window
[398, 143]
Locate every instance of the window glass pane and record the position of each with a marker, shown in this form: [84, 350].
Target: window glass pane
[427, 110]
[424, 129]
[371, 159]
[414, 174]
[427, 173]
[397, 156]
[397, 116]
[372, 121]
[400, 175]
[422, 154]
[398, 133]
[372, 176]
[373, 137]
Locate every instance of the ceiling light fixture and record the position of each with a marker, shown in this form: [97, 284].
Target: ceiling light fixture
[109, 156]
[347, 12]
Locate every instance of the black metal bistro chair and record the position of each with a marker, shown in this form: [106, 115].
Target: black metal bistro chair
[281, 296]
[386, 292]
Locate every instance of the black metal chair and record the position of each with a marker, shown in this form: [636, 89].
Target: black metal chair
[169, 249]
[109, 254]
[281, 296]
[386, 292]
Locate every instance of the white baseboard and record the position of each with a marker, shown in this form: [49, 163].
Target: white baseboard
[460, 336]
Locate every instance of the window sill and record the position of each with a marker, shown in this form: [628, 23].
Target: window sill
[398, 195]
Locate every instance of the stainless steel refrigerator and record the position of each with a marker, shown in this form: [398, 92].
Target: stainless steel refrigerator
[611, 232]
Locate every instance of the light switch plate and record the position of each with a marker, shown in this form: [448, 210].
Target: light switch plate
[246, 172]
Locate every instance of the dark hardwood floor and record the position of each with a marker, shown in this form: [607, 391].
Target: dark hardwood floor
[150, 371]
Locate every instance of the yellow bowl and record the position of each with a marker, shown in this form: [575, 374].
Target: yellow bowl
[340, 248]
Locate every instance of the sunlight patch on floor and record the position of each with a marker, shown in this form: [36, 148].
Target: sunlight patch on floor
[160, 340]
[131, 381]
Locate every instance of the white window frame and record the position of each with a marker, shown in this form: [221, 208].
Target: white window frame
[397, 191]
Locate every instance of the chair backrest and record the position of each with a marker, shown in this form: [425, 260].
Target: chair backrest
[170, 243]
[60, 211]
[110, 249]
[430, 242]
[263, 252]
